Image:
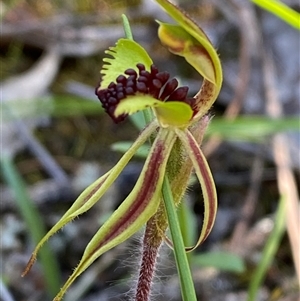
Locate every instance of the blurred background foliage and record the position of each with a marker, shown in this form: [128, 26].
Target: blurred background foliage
[55, 141]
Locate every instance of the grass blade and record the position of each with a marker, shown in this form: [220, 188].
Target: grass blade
[281, 10]
[269, 251]
[33, 221]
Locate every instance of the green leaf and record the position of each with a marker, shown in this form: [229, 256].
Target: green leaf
[56, 105]
[126, 54]
[251, 128]
[223, 261]
[67, 105]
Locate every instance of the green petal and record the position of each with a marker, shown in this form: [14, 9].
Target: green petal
[126, 54]
[206, 181]
[94, 192]
[135, 103]
[135, 210]
[170, 113]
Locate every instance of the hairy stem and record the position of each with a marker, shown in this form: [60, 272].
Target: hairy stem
[147, 269]
[153, 237]
[179, 169]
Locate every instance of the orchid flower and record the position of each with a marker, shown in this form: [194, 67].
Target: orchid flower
[132, 83]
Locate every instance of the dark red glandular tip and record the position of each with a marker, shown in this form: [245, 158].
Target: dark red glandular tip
[153, 82]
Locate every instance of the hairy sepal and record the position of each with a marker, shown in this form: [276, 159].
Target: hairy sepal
[126, 54]
[180, 165]
[206, 181]
[135, 210]
[94, 192]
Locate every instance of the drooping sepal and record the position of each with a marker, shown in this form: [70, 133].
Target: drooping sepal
[180, 166]
[206, 181]
[134, 211]
[93, 193]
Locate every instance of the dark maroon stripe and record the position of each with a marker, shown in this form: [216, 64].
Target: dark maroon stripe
[205, 176]
[152, 174]
[95, 189]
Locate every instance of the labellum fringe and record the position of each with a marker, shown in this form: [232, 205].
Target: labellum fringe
[154, 83]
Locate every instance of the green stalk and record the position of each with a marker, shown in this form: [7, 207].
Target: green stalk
[148, 116]
[34, 223]
[186, 282]
[281, 10]
[269, 251]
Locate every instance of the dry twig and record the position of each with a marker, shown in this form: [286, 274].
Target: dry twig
[286, 181]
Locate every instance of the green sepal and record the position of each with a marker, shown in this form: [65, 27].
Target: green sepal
[94, 192]
[170, 113]
[135, 210]
[126, 54]
[206, 181]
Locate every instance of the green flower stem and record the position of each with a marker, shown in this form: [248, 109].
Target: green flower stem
[150, 252]
[186, 281]
[148, 115]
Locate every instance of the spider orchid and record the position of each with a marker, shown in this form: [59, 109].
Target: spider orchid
[131, 83]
